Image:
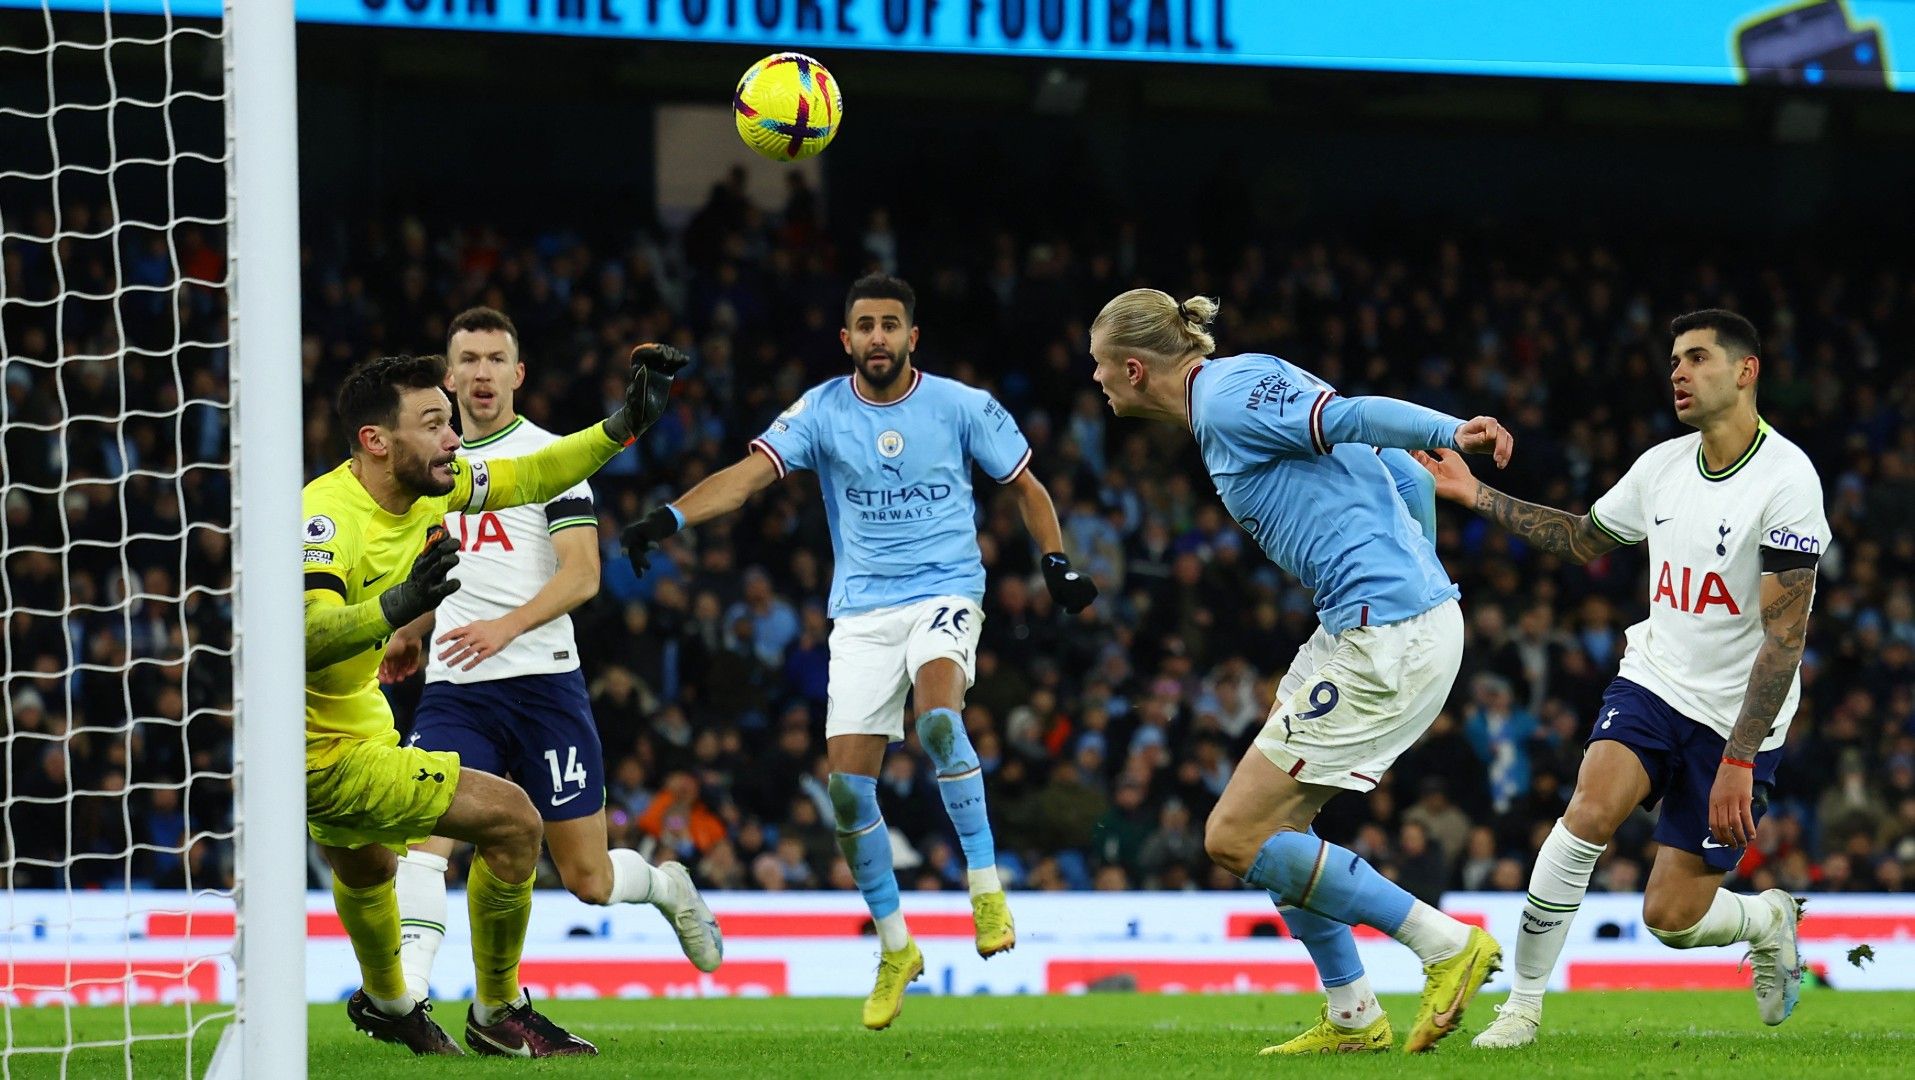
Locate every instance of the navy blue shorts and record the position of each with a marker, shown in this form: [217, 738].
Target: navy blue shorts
[1681, 757]
[535, 729]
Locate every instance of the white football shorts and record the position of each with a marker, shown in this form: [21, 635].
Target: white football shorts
[1352, 703]
[875, 656]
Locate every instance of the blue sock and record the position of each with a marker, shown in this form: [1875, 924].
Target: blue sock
[865, 841]
[1328, 880]
[961, 783]
[1332, 946]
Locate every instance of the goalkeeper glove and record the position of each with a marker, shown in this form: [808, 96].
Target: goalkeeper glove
[1072, 591]
[643, 536]
[653, 367]
[428, 584]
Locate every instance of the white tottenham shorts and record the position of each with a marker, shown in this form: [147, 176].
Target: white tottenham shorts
[1352, 703]
[875, 657]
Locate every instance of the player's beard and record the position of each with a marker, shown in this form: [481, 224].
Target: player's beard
[899, 359]
[415, 472]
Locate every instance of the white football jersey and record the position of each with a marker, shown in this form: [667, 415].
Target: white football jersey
[505, 558]
[1706, 534]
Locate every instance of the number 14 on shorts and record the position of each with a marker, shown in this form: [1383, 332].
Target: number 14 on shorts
[570, 773]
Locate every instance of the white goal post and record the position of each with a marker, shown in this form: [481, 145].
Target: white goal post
[152, 818]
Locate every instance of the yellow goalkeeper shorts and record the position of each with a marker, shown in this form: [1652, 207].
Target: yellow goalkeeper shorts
[374, 791]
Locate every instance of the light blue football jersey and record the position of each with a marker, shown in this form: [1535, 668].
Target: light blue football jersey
[1299, 470]
[897, 484]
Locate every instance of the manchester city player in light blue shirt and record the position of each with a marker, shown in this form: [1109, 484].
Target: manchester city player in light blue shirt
[894, 449]
[1305, 473]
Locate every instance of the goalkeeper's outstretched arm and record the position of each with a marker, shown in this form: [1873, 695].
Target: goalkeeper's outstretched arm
[554, 469]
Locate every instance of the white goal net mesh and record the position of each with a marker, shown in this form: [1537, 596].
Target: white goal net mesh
[117, 838]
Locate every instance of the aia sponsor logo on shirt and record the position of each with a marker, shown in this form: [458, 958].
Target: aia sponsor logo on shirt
[478, 530]
[1682, 588]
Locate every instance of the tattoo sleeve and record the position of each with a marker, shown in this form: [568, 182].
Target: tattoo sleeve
[337, 631]
[1785, 625]
[1555, 531]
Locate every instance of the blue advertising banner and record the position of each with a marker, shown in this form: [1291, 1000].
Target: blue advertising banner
[1848, 43]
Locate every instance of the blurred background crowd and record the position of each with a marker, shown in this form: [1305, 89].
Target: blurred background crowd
[1106, 737]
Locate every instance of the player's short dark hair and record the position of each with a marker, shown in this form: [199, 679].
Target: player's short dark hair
[883, 287]
[1734, 333]
[370, 394]
[480, 320]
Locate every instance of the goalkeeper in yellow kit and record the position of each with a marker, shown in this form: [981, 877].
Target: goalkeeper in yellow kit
[377, 558]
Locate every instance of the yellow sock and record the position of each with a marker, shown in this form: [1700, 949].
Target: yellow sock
[371, 918]
[499, 913]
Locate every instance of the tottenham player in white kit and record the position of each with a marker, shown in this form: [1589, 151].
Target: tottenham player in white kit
[1701, 703]
[893, 449]
[503, 684]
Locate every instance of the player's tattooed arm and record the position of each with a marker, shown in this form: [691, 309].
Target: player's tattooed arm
[1574, 536]
[1785, 626]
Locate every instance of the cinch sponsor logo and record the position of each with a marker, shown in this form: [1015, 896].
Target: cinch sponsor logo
[586, 979]
[110, 982]
[1783, 538]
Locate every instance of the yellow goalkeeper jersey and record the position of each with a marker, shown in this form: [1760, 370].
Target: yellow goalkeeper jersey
[355, 550]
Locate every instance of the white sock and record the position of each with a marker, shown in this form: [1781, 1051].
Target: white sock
[635, 881]
[1353, 1006]
[1731, 918]
[985, 881]
[892, 935]
[489, 1014]
[421, 885]
[394, 1009]
[1430, 934]
[1556, 888]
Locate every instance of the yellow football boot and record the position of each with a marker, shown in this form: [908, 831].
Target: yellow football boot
[1448, 986]
[1327, 1038]
[896, 970]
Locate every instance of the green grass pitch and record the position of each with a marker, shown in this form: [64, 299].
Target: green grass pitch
[1610, 1035]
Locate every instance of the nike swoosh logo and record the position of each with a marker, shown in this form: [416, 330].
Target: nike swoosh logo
[367, 584]
[556, 801]
[1660, 521]
[1447, 1018]
[1710, 845]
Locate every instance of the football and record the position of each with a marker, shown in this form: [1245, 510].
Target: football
[787, 107]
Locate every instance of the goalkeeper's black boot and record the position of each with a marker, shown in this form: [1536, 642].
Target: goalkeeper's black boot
[521, 1031]
[415, 1031]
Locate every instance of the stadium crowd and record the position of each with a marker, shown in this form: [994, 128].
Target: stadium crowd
[1106, 737]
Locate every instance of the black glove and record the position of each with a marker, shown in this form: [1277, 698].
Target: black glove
[1072, 591]
[643, 536]
[653, 367]
[428, 584]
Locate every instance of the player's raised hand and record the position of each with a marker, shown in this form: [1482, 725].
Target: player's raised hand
[428, 583]
[476, 642]
[643, 536]
[1073, 591]
[1485, 435]
[1454, 481]
[650, 388]
[404, 650]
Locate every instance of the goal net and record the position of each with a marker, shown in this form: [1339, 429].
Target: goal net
[150, 486]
